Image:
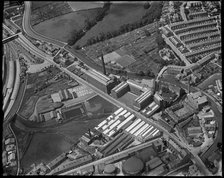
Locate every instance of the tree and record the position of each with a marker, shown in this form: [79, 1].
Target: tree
[141, 73]
[146, 5]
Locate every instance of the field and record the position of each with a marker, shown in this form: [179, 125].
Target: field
[118, 15]
[46, 10]
[41, 150]
[74, 21]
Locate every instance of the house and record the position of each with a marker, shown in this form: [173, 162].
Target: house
[9, 141]
[12, 157]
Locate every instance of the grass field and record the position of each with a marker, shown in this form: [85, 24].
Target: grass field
[118, 15]
[41, 150]
[62, 27]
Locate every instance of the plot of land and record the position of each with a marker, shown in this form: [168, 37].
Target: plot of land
[118, 15]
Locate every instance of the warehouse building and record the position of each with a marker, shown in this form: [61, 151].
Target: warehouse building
[158, 99]
[143, 100]
[120, 90]
[71, 165]
[57, 161]
[100, 80]
[157, 171]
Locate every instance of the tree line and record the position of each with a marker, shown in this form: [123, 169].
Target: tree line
[148, 18]
[78, 34]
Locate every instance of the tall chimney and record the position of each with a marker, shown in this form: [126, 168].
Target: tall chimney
[103, 64]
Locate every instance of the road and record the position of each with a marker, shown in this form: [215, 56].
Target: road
[112, 158]
[27, 28]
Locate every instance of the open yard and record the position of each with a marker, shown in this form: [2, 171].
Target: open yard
[97, 105]
[128, 99]
[63, 27]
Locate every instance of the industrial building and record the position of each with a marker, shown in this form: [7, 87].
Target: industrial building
[164, 121]
[135, 87]
[172, 146]
[143, 100]
[150, 109]
[120, 142]
[158, 99]
[126, 121]
[57, 161]
[99, 80]
[132, 166]
[71, 165]
[157, 171]
[158, 145]
[197, 100]
[153, 163]
[120, 90]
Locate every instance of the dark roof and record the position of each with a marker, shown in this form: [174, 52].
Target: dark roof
[109, 169]
[133, 165]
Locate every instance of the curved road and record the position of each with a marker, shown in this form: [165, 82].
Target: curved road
[28, 28]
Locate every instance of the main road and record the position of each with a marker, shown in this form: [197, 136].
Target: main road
[32, 48]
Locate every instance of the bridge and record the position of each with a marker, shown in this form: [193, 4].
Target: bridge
[8, 39]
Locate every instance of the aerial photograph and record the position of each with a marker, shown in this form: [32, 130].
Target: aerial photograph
[112, 88]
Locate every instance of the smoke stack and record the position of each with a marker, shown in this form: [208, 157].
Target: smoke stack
[90, 135]
[103, 64]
